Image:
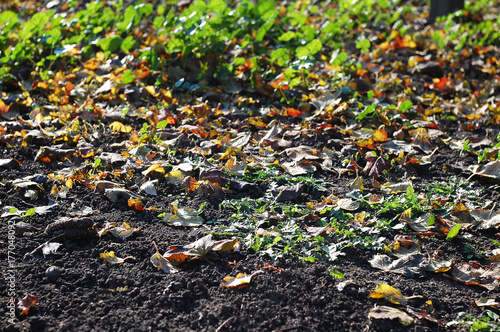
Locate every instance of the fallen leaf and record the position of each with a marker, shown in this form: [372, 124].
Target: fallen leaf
[241, 280]
[475, 274]
[161, 262]
[384, 312]
[408, 265]
[486, 302]
[186, 217]
[388, 293]
[491, 170]
[111, 258]
[235, 167]
[200, 247]
[27, 302]
[286, 193]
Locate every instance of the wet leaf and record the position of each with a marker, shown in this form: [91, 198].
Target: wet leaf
[241, 280]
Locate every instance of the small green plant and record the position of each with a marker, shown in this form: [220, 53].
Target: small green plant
[335, 273]
[29, 214]
[490, 321]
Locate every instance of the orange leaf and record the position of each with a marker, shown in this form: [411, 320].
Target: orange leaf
[379, 135]
[26, 303]
[292, 112]
[136, 204]
[440, 83]
[3, 107]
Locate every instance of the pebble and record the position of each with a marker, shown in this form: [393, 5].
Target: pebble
[53, 273]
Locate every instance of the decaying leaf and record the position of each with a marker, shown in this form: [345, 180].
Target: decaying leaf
[136, 203]
[384, 312]
[241, 280]
[115, 194]
[230, 245]
[348, 204]
[408, 265]
[388, 293]
[111, 258]
[375, 166]
[235, 167]
[475, 274]
[200, 247]
[486, 219]
[27, 302]
[9, 163]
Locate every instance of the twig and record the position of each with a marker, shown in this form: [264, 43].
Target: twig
[224, 323]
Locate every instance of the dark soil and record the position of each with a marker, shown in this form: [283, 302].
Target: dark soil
[298, 297]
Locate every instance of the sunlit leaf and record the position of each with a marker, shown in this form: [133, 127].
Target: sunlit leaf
[241, 280]
[384, 312]
[160, 262]
[111, 258]
[388, 293]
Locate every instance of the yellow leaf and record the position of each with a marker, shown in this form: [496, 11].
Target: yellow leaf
[154, 168]
[240, 281]
[389, 293]
[151, 90]
[120, 127]
[111, 258]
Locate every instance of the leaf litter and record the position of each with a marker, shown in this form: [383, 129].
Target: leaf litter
[136, 125]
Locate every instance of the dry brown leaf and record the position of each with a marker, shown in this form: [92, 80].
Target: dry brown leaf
[476, 274]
